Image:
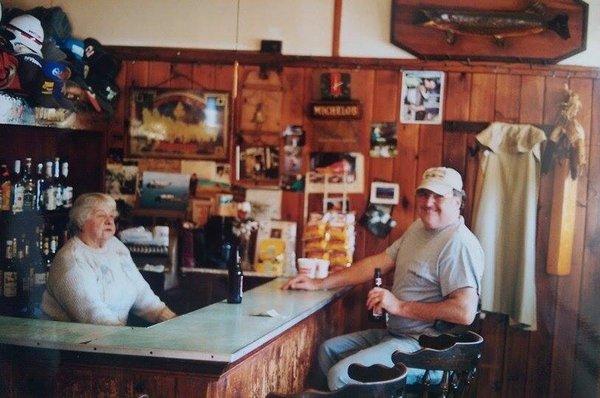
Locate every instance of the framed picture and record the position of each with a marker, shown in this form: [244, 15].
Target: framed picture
[422, 97]
[168, 191]
[188, 124]
[384, 193]
[344, 172]
[383, 140]
[259, 163]
[121, 181]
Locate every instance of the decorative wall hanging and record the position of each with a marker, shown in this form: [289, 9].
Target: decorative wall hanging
[188, 124]
[536, 31]
[336, 102]
[422, 97]
[262, 99]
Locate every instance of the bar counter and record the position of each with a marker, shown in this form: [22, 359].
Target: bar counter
[219, 350]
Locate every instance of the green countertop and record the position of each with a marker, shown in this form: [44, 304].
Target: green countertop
[220, 332]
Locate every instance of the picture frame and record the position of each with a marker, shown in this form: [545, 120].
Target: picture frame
[166, 191]
[384, 193]
[121, 181]
[331, 164]
[422, 97]
[179, 123]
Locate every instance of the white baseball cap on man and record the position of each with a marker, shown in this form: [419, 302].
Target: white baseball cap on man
[441, 180]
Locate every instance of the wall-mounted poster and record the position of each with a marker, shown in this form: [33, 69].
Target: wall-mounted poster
[422, 97]
[189, 124]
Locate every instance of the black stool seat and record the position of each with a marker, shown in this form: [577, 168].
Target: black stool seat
[456, 355]
[375, 381]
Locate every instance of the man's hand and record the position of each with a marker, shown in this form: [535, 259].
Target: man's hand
[303, 282]
[383, 298]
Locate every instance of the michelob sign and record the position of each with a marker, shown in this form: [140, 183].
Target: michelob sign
[336, 110]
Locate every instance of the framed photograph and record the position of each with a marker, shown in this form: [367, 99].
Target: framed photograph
[184, 124]
[259, 163]
[383, 140]
[422, 97]
[121, 181]
[344, 172]
[167, 191]
[384, 193]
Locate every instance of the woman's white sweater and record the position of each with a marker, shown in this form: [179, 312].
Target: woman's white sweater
[98, 286]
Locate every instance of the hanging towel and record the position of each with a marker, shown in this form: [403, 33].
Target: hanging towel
[504, 218]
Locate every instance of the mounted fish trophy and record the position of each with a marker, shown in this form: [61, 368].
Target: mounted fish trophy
[535, 32]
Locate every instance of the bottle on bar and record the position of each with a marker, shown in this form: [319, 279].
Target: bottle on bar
[11, 277]
[16, 197]
[49, 189]
[5, 187]
[377, 314]
[235, 279]
[67, 189]
[29, 199]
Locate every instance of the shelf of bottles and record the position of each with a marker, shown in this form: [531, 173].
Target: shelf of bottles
[34, 205]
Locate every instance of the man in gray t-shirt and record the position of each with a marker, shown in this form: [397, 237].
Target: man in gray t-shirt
[438, 267]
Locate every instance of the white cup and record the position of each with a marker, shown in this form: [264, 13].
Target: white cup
[308, 267]
[322, 268]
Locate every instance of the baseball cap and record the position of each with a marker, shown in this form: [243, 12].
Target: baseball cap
[441, 180]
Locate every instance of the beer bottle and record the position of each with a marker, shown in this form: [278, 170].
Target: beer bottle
[235, 280]
[10, 280]
[377, 315]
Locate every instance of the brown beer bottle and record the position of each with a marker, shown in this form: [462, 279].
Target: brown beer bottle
[377, 315]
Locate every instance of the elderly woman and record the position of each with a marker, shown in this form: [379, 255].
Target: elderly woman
[93, 278]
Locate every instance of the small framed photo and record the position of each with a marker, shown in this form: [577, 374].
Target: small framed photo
[422, 97]
[384, 193]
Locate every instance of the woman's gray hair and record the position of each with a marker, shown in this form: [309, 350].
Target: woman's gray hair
[463, 197]
[84, 206]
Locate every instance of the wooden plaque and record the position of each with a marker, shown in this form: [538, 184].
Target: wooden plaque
[408, 31]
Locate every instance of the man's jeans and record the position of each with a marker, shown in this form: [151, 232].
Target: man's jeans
[367, 347]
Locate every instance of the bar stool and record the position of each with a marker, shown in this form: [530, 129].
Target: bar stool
[375, 381]
[457, 356]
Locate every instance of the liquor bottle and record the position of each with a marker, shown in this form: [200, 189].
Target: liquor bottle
[10, 280]
[5, 186]
[57, 184]
[49, 189]
[377, 314]
[24, 277]
[40, 181]
[47, 254]
[29, 199]
[235, 280]
[16, 196]
[67, 189]
[40, 275]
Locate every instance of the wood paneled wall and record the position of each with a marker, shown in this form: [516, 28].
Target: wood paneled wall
[561, 358]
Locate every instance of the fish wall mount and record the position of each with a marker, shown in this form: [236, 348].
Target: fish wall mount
[486, 30]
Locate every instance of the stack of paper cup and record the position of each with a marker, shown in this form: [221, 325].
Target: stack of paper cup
[313, 267]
